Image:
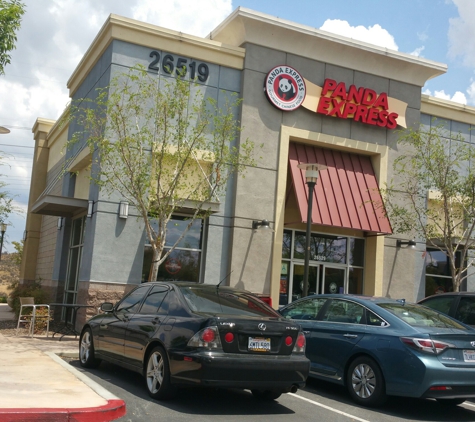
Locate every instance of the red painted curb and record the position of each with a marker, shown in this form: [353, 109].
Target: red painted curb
[114, 409]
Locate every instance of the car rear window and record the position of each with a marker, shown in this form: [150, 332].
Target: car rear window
[420, 316]
[223, 302]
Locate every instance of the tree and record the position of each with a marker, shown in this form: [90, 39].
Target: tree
[161, 147]
[434, 194]
[11, 12]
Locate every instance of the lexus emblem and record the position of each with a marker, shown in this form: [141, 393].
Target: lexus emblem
[472, 343]
[263, 327]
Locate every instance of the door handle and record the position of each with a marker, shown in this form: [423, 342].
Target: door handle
[306, 332]
[350, 335]
[156, 320]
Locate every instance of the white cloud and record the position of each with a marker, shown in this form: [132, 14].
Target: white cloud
[373, 34]
[471, 92]
[417, 52]
[458, 97]
[462, 32]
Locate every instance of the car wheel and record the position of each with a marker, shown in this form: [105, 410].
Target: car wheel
[365, 382]
[86, 350]
[266, 394]
[157, 375]
[450, 402]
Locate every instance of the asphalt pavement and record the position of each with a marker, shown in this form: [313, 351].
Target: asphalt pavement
[36, 384]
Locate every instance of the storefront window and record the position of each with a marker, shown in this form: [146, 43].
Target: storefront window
[322, 248]
[336, 265]
[184, 262]
[438, 273]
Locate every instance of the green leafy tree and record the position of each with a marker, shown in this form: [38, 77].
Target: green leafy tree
[11, 12]
[432, 194]
[162, 147]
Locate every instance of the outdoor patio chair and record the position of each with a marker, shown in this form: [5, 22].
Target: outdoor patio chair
[24, 317]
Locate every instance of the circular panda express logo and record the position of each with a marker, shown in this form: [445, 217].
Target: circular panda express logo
[285, 88]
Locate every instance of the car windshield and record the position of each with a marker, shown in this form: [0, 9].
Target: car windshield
[416, 315]
[216, 301]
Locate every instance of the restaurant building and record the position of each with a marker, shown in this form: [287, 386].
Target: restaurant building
[308, 96]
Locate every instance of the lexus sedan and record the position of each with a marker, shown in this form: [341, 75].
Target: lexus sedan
[189, 334]
[378, 347]
[460, 306]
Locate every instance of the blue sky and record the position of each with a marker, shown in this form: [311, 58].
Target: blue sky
[55, 34]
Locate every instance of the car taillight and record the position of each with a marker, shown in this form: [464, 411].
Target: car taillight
[229, 337]
[288, 341]
[426, 345]
[299, 344]
[207, 337]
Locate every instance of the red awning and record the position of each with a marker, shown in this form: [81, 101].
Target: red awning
[346, 194]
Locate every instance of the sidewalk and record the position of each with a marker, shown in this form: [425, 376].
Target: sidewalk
[37, 385]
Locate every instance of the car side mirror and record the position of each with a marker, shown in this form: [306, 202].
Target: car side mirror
[107, 307]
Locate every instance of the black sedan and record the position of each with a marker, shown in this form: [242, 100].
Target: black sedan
[188, 334]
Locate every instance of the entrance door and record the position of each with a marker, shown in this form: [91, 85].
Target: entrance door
[297, 281]
[333, 279]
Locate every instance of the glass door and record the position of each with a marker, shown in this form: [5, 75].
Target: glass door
[297, 281]
[333, 279]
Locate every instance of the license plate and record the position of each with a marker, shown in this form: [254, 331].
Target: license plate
[259, 344]
[469, 355]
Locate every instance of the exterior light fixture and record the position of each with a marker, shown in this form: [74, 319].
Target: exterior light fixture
[311, 177]
[4, 130]
[123, 209]
[3, 229]
[260, 225]
[410, 243]
[25, 234]
[90, 208]
[60, 222]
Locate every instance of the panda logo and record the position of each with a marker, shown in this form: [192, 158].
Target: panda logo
[285, 88]
[286, 91]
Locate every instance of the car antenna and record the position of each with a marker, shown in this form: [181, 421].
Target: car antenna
[219, 284]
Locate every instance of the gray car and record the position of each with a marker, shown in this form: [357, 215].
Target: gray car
[458, 305]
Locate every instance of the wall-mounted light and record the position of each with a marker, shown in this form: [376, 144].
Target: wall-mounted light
[25, 234]
[260, 225]
[410, 243]
[60, 223]
[90, 208]
[123, 209]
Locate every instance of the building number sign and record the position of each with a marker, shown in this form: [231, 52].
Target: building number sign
[181, 67]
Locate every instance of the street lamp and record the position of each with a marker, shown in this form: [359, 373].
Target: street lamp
[4, 130]
[311, 176]
[3, 229]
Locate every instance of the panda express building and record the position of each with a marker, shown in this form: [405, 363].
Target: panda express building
[326, 99]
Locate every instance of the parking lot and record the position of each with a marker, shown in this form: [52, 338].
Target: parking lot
[318, 401]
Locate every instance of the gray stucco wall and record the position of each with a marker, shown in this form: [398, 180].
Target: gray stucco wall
[114, 247]
[255, 195]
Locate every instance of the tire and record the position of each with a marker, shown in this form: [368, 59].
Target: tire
[157, 375]
[365, 382]
[86, 350]
[450, 402]
[266, 394]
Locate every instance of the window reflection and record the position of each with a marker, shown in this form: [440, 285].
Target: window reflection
[322, 248]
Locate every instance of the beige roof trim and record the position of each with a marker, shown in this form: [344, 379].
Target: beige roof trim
[82, 160]
[447, 109]
[42, 125]
[141, 33]
[247, 26]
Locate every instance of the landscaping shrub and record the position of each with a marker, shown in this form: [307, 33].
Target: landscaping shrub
[33, 289]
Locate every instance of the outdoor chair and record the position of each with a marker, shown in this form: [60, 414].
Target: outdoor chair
[27, 303]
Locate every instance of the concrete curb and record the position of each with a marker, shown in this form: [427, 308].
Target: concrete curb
[114, 409]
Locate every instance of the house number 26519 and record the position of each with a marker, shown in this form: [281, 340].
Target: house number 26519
[181, 67]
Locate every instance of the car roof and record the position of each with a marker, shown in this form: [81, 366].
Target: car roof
[360, 298]
[202, 286]
[449, 294]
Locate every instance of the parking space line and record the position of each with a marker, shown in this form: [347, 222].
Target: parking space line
[469, 404]
[329, 408]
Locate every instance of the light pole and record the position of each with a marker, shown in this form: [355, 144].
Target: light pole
[3, 229]
[311, 176]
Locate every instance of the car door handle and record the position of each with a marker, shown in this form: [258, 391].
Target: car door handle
[156, 320]
[306, 332]
[350, 335]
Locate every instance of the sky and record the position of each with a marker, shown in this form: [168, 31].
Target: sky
[55, 34]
